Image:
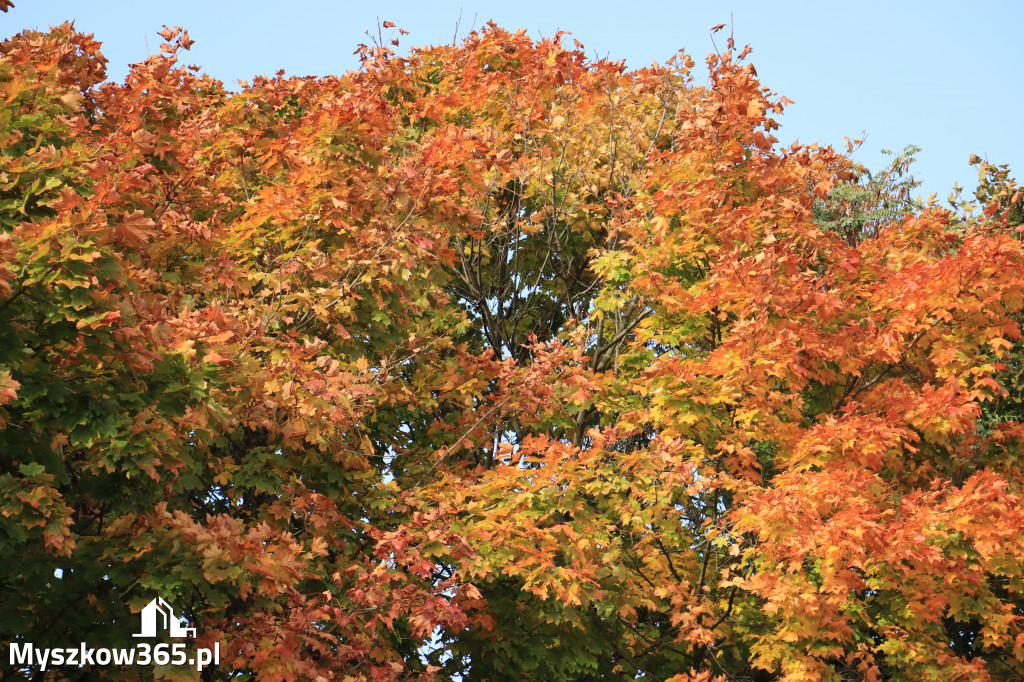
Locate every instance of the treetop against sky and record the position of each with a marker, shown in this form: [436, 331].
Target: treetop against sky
[943, 76]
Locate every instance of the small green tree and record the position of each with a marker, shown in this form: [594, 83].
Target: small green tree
[857, 209]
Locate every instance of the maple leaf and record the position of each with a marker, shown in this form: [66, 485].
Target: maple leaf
[8, 387]
[8, 249]
[73, 101]
[215, 358]
[135, 229]
[144, 139]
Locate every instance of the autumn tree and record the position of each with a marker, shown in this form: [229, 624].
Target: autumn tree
[493, 361]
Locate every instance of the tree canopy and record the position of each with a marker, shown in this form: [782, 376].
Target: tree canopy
[494, 361]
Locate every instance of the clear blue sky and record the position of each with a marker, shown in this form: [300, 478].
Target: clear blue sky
[946, 75]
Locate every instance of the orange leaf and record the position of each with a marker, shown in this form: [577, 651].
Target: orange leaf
[216, 358]
[135, 229]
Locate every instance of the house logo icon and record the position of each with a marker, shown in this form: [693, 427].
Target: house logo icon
[159, 614]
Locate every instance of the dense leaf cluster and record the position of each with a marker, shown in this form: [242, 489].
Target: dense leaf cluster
[496, 362]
